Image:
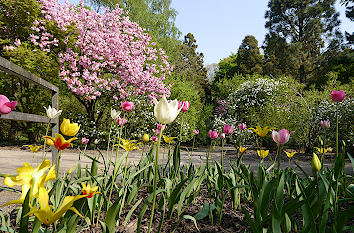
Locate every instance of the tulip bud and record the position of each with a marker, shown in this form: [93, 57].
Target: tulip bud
[315, 163]
[242, 126]
[96, 141]
[325, 124]
[146, 138]
[222, 135]
[195, 132]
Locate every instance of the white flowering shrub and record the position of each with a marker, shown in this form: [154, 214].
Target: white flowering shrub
[248, 101]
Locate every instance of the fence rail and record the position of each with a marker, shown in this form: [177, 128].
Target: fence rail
[11, 68]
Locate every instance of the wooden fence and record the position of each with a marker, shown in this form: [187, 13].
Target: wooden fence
[21, 73]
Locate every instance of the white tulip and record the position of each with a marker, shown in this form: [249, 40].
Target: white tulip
[166, 112]
[114, 114]
[96, 141]
[52, 113]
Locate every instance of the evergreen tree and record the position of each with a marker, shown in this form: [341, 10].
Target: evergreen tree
[249, 59]
[301, 26]
[190, 64]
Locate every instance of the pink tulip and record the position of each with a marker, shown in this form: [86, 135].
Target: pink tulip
[213, 134]
[242, 126]
[121, 121]
[157, 131]
[154, 139]
[228, 129]
[195, 132]
[222, 135]
[159, 126]
[85, 141]
[337, 96]
[281, 137]
[325, 124]
[185, 107]
[180, 104]
[6, 106]
[127, 106]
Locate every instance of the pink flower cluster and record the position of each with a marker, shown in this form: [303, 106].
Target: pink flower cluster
[110, 52]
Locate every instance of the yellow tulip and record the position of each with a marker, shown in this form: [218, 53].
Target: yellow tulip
[49, 142]
[168, 139]
[242, 149]
[34, 148]
[30, 178]
[45, 213]
[59, 141]
[262, 153]
[290, 154]
[88, 190]
[129, 145]
[315, 163]
[322, 150]
[69, 129]
[262, 132]
[146, 138]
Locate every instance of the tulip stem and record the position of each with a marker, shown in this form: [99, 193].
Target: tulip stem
[45, 142]
[337, 130]
[156, 163]
[59, 157]
[222, 155]
[109, 140]
[190, 156]
[180, 130]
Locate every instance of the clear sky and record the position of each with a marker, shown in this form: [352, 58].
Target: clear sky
[220, 26]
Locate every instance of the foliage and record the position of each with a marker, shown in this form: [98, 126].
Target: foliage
[249, 60]
[190, 64]
[296, 32]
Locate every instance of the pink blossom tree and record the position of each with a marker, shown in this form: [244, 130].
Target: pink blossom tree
[107, 55]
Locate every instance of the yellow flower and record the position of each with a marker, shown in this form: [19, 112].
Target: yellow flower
[34, 148]
[45, 213]
[168, 139]
[323, 150]
[89, 191]
[49, 142]
[242, 149]
[146, 138]
[262, 132]
[29, 177]
[129, 145]
[315, 163]
[69, 129]
[59, 141]
[290, 154]
[262, 153]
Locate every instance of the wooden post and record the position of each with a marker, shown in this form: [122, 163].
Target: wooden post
[21, 73]
[55, 127]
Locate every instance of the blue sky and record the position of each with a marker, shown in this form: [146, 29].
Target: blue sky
[220, 26]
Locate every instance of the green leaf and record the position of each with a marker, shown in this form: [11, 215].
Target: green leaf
[131, 212]
[280, 193]
[204, 212]
[111, 215]
[276, 221]
[144, 208]
[351, 160]
[342, 218]
[192, 219]
[25, 210]
[185, 192]
[250, 221]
